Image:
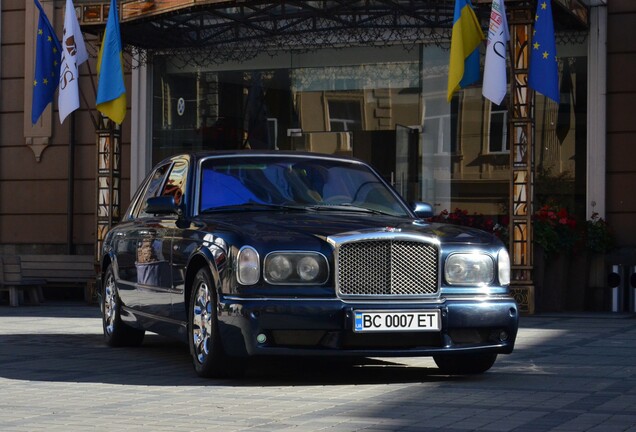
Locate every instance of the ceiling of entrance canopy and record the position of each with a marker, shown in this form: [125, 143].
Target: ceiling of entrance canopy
[244, 28]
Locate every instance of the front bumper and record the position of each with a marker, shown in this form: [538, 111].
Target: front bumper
[324, 327]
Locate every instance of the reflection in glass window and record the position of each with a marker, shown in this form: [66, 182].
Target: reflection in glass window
[261, 182]
[498, 137]
[152, 190]
[440, 125]
[344, 115]
[352, 101]
[176, 181]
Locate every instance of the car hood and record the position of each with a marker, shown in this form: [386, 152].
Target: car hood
[300, 227]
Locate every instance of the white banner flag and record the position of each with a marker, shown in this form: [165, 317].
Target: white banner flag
[495, 84]
[73, 54]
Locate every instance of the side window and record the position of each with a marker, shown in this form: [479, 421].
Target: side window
[175, 185]
[498, 137]
[152, 189]
[344, 115]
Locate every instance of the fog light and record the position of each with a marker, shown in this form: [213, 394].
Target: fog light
[503, 336]
[261, 338]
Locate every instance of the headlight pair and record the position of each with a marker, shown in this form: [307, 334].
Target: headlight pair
[282, 267]
[477, 268]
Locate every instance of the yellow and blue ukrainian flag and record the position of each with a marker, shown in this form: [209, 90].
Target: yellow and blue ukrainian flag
[111, 91]
[48, 52]
[463, 69]
[543, 73]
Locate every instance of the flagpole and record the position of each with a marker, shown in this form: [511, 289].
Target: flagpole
[90, 112]
[70, 202]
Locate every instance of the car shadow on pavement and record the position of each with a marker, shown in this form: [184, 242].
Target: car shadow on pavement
[314, 371]
[164, 362]
[54, 309]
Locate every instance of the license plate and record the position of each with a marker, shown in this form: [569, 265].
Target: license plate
[383, 321]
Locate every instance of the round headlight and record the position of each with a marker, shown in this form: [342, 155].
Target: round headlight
[248, 266]
[469, 269]
[456, 270]
[308, 268]
[278, 268]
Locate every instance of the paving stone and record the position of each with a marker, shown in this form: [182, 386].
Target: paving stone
[568, 373]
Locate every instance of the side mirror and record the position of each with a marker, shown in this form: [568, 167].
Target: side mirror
[422, 210]
[162, 205]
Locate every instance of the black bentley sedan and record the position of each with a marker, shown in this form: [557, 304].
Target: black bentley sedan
[252, 254]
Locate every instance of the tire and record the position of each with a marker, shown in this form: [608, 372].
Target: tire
[465, 364]
[206, 349]
[116, 332]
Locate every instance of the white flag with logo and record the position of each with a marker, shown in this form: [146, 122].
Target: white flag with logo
[495, 84]
[73, 54]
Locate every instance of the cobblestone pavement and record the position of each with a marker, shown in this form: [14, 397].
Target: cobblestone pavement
[568, 373]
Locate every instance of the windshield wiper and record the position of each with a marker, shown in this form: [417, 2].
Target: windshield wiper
[346, 207]
[254, 206]
[251, 206]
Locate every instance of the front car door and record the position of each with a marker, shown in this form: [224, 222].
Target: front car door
[144, 250]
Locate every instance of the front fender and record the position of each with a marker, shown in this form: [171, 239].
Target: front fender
[210, 256]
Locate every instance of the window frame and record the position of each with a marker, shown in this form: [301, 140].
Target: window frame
[329, 96]
[136, 210]
[495, 110]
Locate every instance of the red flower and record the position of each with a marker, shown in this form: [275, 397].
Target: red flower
[555, 229]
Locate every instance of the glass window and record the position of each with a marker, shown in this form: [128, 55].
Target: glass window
[344, 115]
[384, 105]
[155, 183]
[561, 141]
[175, 186]
[498, 136]
[293, 182]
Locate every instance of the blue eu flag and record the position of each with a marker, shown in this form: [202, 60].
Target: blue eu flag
[543, 75]
[47, 65]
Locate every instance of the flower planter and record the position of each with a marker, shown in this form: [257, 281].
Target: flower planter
[597, 282]
[577, 281]
[551, 280]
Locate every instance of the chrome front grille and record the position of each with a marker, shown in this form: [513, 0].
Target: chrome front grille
[387, 268]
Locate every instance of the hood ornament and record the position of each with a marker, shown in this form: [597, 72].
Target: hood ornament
[392, 229]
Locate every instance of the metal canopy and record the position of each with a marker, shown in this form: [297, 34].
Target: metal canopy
[203, 23]
[240, 29]
[238, 21]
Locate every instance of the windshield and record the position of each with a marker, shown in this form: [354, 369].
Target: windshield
[298, 183]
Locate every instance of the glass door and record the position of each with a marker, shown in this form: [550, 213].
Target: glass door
[405, 178]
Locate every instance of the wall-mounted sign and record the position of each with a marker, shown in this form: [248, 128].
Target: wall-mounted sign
[97, 12]
[180, 106]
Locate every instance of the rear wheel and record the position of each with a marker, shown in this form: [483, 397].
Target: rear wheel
[116, 332]
[465, 364]
[205, 344]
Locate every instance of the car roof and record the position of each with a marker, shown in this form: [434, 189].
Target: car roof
[195, 156]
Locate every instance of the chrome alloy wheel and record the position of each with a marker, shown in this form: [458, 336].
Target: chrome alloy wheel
[202, 322]
[110, 305]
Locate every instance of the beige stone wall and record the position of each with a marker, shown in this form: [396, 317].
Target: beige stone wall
[33, 194]
[621, 124]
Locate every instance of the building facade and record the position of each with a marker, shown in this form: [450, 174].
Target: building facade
[339, 78]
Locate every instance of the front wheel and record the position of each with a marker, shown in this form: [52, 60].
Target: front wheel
[206, 349]
[465, 364]
[116, 332]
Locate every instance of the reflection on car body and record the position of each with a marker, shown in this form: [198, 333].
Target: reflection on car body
[253, 254]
